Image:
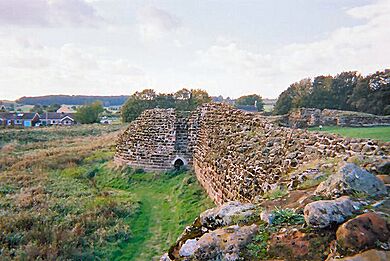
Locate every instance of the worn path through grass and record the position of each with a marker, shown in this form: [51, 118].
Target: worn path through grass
[168, 202]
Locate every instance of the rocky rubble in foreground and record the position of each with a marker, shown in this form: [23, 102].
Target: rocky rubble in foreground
[345, 217]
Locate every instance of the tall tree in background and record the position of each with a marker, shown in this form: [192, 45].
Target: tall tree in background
[294, 97]
[320, 93]
[372, 94]
[251, 100]
[284, 103]
[197, 98]
[345, 91]
[343, 86]
[89, 113]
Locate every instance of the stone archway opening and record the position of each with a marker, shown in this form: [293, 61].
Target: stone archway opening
[178, 164]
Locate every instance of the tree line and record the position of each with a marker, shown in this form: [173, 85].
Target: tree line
[345, 91]
[182, 100]
[73, 100]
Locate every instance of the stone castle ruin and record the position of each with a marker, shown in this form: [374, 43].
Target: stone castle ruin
[310, 117]
[157, 140]
[236, 155]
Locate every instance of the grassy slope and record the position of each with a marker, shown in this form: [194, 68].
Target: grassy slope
[377, 133]
[114, 214]
[168, 202]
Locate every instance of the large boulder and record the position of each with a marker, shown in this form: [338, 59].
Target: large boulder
[324, 213]
[369, 255]
[351, 179]
[362, 232]
[228, 214]
[224, 244]
[188, 248]
[165, 257]
[292, 244]
[225, 215]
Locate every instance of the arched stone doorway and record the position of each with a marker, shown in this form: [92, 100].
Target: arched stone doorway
[178, 163]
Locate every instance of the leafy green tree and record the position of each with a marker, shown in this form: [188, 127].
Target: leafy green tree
[297, 95]
[320, 96]
[53, 107]
[252, 99]
[198, 97]
[37, 108]
[89, 113]
[342, 88]
[284, 103]
[183, 100]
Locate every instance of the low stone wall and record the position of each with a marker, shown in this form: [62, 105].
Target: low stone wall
[309, 117]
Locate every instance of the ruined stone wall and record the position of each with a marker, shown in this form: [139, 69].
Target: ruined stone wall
[309, 117]
[238, 155]
[155, 140]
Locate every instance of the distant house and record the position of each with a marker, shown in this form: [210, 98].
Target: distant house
[65, 109]
[54, 118]
[19, 119]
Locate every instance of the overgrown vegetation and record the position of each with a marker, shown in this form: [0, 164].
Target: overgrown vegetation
[276, 193]
[257, 249]
[286, 216]
[63, 199]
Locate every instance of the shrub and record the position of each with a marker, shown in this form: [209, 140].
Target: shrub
[287, 216]
[276, 193]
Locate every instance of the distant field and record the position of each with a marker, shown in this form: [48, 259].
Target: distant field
[268, 107]
[376, 133]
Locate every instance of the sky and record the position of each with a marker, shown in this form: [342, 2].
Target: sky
[226, 47]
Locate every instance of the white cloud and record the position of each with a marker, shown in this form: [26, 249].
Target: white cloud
[69, 69]
[362, 47]
[48, 13]
[155, 23]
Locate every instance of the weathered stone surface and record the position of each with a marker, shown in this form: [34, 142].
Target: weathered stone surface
[155, 140]
[267, 216]
[188, 248]
[227, 214]
[224, 244]
[369, 255]
[324, 213]
[193, 231]
[300, 177]
[384, 168]
[384, 178]
[349, 179]
[308, 117]
[362, 232]
[165, 257]
[292, 244]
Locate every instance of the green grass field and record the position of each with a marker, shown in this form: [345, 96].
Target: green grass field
[62, 198]
[376, 133]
